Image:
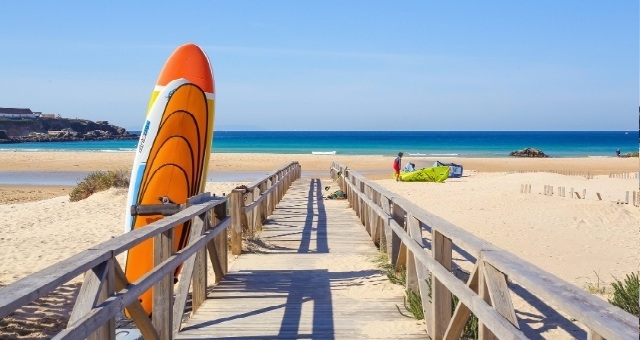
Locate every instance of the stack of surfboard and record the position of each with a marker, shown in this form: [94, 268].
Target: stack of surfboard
[172, 156]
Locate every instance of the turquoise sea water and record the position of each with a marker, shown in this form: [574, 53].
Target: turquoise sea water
[427, 143]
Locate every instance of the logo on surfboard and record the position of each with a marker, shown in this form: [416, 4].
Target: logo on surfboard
[144, 135]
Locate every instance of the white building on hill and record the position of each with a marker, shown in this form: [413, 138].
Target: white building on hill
[16, 113]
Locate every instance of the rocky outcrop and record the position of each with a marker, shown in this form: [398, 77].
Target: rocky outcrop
[528, 152]
[59, 129]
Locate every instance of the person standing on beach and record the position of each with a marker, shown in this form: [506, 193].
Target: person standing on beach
[397, 164]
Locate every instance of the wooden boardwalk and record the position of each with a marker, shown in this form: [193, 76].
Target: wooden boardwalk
[314, 277]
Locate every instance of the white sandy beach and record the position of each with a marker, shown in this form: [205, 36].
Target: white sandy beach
[575, 239]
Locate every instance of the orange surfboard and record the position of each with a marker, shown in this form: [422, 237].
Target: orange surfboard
[172, 155]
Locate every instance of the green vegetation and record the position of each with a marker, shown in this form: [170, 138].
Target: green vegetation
[625, 294]
[471, 327]
[99, 181]
[412, 299]
[596, 288]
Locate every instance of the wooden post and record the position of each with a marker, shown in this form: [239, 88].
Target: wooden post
[199, 281]
[163, 290]
[191, 268]
[398, 253]
[483, 291]
[236, 208]
[626, 199]
[98, 285]
[217, 248]
[136, 311]
[441, 295]
[417, 274]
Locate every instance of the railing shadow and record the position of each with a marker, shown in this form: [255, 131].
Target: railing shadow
[314, 198]
[44, 317]
[285, 291]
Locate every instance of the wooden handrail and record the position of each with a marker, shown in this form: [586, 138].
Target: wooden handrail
[601, 318]
[94, 313]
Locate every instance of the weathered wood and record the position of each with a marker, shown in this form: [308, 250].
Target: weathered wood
[180, 300]
[97, 286]
[401, 256]
[39, 284]
[43, 282]
[397, 218]
[237, 215]
[199, 281]
[290, 292]
[421, 274]
[607, 320]
[411, 276]
[127, 296]
[34, 286]
[441, 295]
[135, 309]
[217, 249]
[592, 335]
[499, 293]
[484, 333]
[162, 315]
[478, 307]
[462, 313]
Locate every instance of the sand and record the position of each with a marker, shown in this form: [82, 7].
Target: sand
[587, 241]
[90, 161]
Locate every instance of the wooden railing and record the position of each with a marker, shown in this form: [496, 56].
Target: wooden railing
[396, 225]
[105, 291]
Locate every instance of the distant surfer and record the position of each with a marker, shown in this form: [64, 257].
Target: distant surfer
[397, 164]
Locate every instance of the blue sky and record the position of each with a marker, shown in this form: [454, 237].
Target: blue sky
[335, 65]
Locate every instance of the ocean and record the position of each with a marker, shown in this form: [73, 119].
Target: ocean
[387, 143]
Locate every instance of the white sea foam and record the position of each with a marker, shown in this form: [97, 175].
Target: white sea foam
[445, 154]
[25, 150]
[118, 150]
[323, 152]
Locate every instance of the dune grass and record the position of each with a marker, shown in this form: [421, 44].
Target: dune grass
[625, 294]
[99, 181]
[413, 300]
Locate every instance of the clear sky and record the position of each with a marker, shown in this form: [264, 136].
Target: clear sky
[335, 65]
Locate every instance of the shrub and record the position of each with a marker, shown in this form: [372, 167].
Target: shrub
[412, 299]
[625, 294]
[98, 181]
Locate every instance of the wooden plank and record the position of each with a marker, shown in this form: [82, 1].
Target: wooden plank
[469, 298]
[499, 293]
[484, 333]
[422, 275]
[97, 286]
[441, 295]
[399, 254]
[162, 314]
[462, 313]
[135, 309]
[413, 229]
[237, 216]
[282, 292]
[129, 294]
[609, 321]
[36, 285]
[182, 292]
